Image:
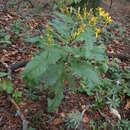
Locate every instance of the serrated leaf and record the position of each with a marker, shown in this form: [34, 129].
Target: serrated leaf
[89, 50]
[61, 28]
[54, 54]
[88, 37]
[54, 103]
[105, 67]
[86, 71]
[37, 67]
[95, 52]
[34, 39]
[76, 52]
[128, 92]
[53, 73]
[64, 18]
[63, 25]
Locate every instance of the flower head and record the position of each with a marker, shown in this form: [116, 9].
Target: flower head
[98, 31]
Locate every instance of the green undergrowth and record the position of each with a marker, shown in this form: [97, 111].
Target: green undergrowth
[8, 88]
[4, 38]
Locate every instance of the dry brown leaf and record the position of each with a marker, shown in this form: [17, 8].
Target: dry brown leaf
[62, 115]
[57, 121]
[115, 113]
[127, 106]
[85, 119]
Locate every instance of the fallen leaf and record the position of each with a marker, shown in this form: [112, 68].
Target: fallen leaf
[62, 115]
[57, 121]
[85, 119]
[127, 106]
[115, 113]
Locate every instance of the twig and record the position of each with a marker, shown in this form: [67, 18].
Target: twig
[120, 56]
[110, 4]
[18, 65]
[86, 108]
[8, 69]
[24, 121]
[105, 117]
[14, 66]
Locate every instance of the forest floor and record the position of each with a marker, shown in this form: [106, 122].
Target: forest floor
[35, 111]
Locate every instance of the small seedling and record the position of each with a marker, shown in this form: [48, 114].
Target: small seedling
[7, 87]
[74, 120]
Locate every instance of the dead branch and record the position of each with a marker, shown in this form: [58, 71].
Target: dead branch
[105, 117]
[86, 108]
[8, 69]
[18, 65]
[13, 67]
[111, 4]
[23, 119]
[120, 56]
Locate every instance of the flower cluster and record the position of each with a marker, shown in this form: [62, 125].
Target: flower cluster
[86, 19]
[97, 31]
[92, 21]
[48, 37]
[104, 15]
[79, 30]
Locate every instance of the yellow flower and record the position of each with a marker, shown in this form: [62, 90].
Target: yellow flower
[100, 9]
[105, 15]
[109, 19]
[93, 21]
[79, 16]
[101, 13]
[80, 29]
[85, 12]
[98, 31]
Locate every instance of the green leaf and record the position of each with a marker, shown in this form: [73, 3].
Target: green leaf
[63, 25]
[86, 71]
[3, 74]
[89, 50]
[37, 67]
[53, 73]
[96, 52]
[64, 18]
[61, 28]
[105, 67]
[54, 103]
[76, 52]
[54, 54]
[127, 91]
[17, 95]
[88, 37]
[34, 39]
[7, 87]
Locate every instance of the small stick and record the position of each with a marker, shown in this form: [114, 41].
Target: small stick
[8, 69]
[24, 121]
[105, 117]
[86, 108]
[110, 4]
[18, 65]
